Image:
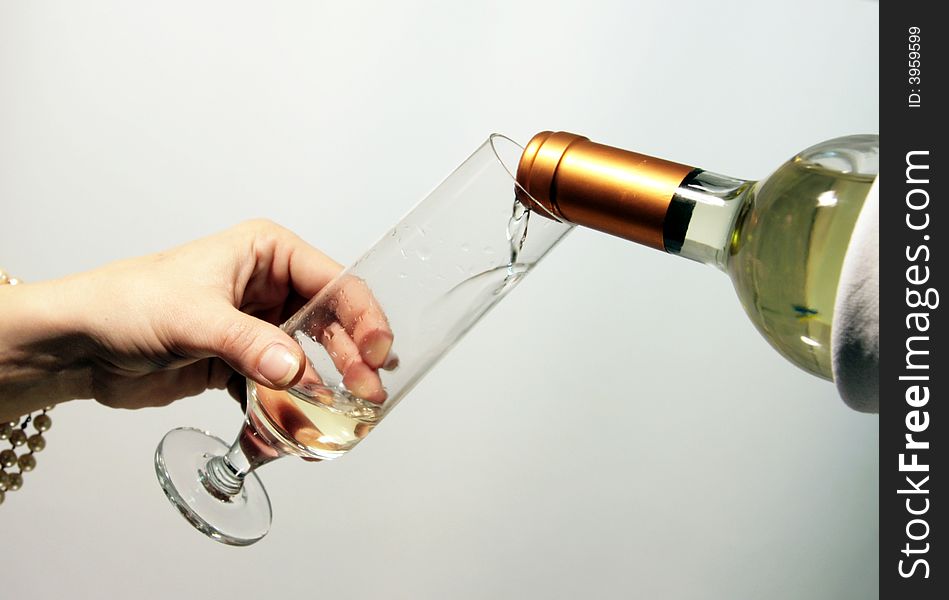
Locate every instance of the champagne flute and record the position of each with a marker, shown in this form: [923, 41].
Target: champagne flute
[369, 336]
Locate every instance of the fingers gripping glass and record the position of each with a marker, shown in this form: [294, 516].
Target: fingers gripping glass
[368, 336]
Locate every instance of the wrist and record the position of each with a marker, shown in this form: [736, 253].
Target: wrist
[44, 354]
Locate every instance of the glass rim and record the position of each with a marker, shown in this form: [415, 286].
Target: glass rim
[513, 176]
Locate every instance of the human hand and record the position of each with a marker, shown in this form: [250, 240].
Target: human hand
[150, 330]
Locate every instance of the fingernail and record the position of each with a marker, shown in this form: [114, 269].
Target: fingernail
[278, 365]
[376, 350]
[363, 383]
[392, 362]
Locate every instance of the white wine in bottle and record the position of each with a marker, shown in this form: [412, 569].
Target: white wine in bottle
[782, 239]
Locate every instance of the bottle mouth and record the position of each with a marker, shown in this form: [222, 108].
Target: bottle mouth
[537, 169]
[512, 157]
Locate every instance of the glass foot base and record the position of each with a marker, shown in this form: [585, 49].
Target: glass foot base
[181, 461]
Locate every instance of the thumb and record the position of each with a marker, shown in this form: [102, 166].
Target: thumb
[257, 349]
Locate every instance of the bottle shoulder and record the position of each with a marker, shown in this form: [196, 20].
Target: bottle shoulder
[855, 156]
[789, 242]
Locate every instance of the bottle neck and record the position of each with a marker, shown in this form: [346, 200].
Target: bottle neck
[701, 219]
[661, 204]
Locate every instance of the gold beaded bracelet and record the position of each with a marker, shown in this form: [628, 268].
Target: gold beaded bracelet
[15, 433]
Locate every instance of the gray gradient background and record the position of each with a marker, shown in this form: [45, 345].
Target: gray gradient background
[616, 428]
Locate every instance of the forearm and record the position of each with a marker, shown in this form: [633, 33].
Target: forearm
[42, 352]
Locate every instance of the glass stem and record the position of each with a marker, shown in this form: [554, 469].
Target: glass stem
[223, 476]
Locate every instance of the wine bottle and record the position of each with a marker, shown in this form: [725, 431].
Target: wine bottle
[782, 239]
